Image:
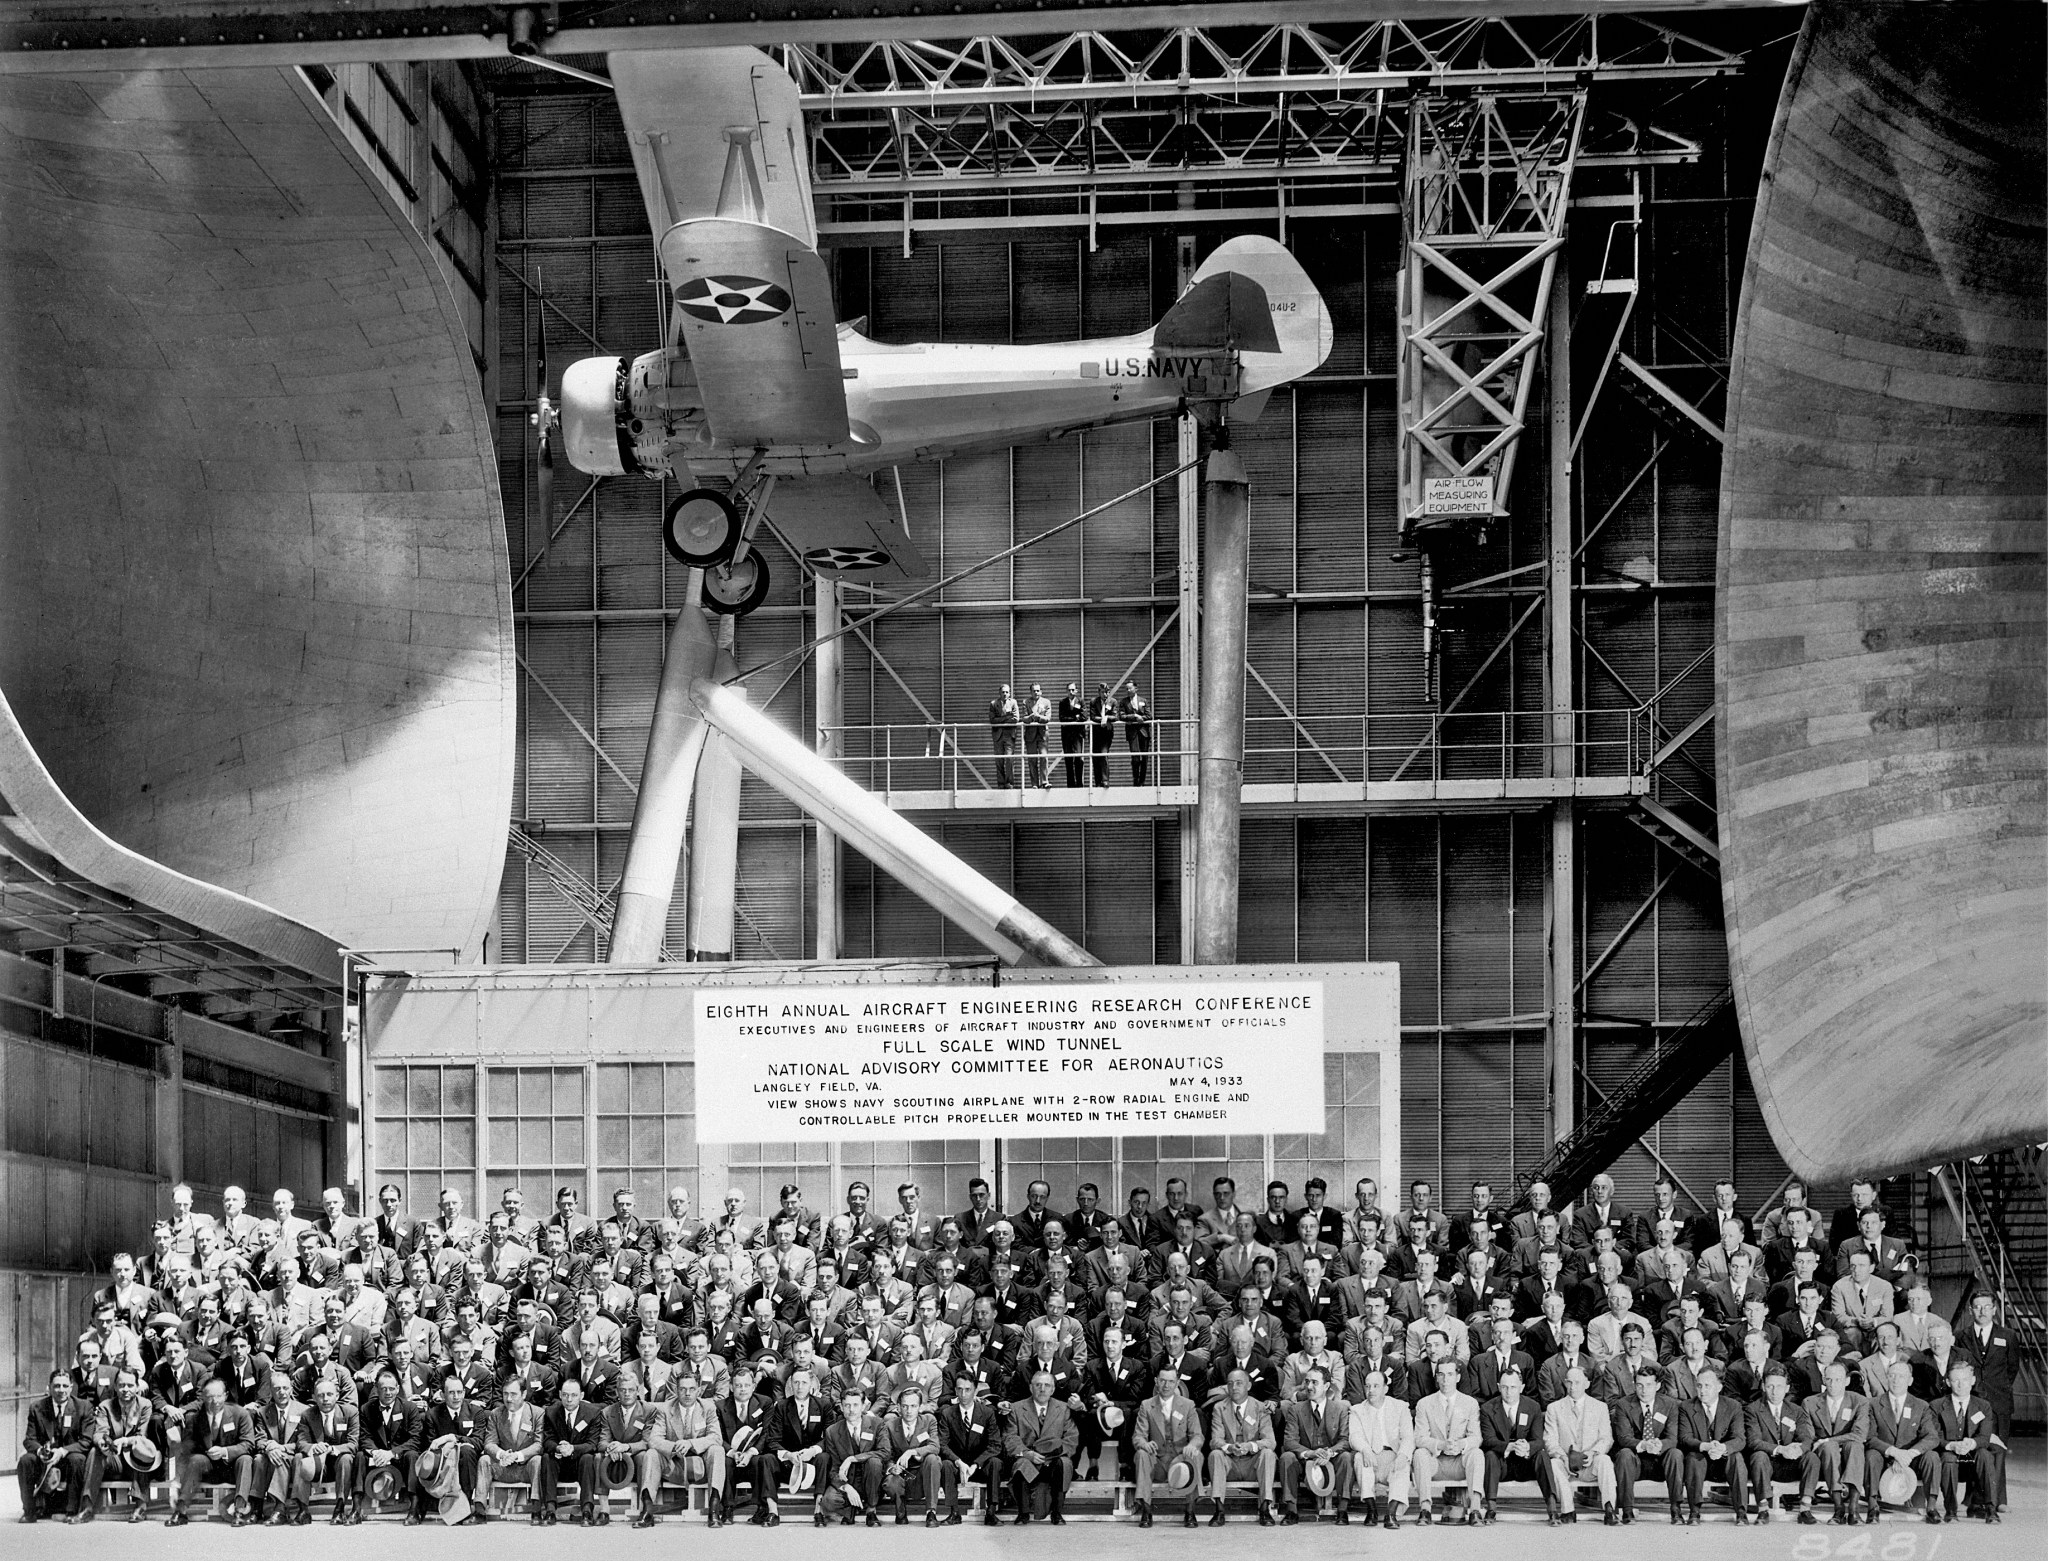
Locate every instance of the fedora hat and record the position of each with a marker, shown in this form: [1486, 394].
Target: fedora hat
[426, 1467]
[1898, 1484]
[1321, 1479]
[804, 1475]
[142, 1456]
[1112, 1417]
[1178, 1475]
[618, 1471]
[384, 1484]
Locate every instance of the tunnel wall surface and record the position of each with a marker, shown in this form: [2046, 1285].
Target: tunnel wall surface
[254, 605]
[1881, 629]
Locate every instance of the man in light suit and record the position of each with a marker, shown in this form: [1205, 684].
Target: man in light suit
[690, 1430]
[1315, 1429]
[1234, 1262]
[1902, 1431]
[1579, 1436]
[1381, 1435]
[1168, 1432]
[1841, 1429]
[1712, 1434]
[1241, 1446]
[1447, 1442]
[1860, 1302]
[511, 1445]
[1715, 1260]
[1039, 1448]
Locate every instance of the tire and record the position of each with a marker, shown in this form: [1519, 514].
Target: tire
[739, 590]
[700, 528]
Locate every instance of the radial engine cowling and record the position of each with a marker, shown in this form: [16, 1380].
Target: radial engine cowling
[596, 417]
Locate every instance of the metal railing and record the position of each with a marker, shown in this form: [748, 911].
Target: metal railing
[1661, 728]
[1415, 746]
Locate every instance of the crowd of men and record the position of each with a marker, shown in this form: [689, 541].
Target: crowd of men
[884, 1361]
[1087, 734]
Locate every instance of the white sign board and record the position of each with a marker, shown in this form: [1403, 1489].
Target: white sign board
[1457, 495]
[1083, 1058]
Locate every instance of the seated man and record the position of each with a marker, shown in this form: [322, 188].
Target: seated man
[512, 1446]
[128, 1443]
[851, 1463]
[915, 1455]
[1447, 1442]
[1242, 1445]
[1168, 1431]
[1039, 1448]
[1381, 1437]
[218, 1442]
[972, 1438]
[1902, 1433]
[390, 1424]
[629, 1429]
[743, 1423]
[1511, 1436]
[1580, 1438]
[570, 1434]
[1968, 1446]
[1314, 1433]
[325, 1444]
[1841, 1430]
[1710, 1434]
[1777, 1437]
[453, 1430]
[691, 1444]
[56, 1452]
[795, 1437]
[1645, 1426]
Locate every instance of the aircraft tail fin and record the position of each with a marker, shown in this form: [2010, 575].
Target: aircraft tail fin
[1252, 295]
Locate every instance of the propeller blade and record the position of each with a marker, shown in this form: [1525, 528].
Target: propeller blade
[546, 480]
[540, 364]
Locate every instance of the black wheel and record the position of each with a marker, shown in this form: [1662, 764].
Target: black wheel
[737, 589]
[700, 528]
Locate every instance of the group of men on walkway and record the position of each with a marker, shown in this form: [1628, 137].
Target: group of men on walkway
[1087, 733]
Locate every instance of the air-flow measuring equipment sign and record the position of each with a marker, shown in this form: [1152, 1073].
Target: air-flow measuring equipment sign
[1090, 1058]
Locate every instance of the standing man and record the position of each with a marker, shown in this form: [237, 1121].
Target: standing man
[1137, 719]
[1073, 744]
[1005, 724]
[1101, 733]
[1037, 717]
[1987, 1346]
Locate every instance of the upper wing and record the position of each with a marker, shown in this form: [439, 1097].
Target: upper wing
[754, 308]
[692, 116]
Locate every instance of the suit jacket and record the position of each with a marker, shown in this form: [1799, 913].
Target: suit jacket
[1992, 1357]
[1168, 1429]
[1850, 1424]
[1586, 1219]
[1726, 1424]
[467, 1425]
[59, 1432]
[744, 1426]
[1441, 1420]
[1124, 1385]
[1497, 1428]
[236, 1437]
[793, 1427]
[971, 1434]
[1866, 1305]
[1764, 1429]
[503, 1437]
[1390, 1365]
[584, 1431]
[1201, 1259]
[1582, 1427]
[622, 1427]
[1303, 1429]
[1041, 1435]
[1482, 1373]
[1388, 1427]
[1713, 1264]
[1911, 1428]
[343, 1436]
[1631, 1423]
[1975, 1421]
[918, 1436]
[395, 1432]
[1251, 1421]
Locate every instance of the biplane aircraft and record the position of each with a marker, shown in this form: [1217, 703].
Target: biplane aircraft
[760, 385]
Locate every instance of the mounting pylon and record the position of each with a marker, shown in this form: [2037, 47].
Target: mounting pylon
[1483, 213]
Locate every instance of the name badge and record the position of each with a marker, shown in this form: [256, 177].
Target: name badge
[1660, 1420]
[1976, 1417]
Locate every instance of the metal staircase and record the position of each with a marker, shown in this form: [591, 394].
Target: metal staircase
[1998, 1203]
[1676, 809]
[1681, 1060]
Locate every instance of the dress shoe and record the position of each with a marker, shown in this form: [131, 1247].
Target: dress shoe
[1627, 1517]
[1057, 1518]
[1265, 1515]
[1390, 1522]
[604, 1517]
[177, 1519]
[1763, 1513]
[773, 1520]
[1425, 1516]
[990, 1517]
[1471, 1517]
[535, 1518]
[136, 1514]
[1490, 1514]
[1144, 1514]
[1609, 1516]
[931, 1519]
[645, 1520]
[1933, 1514]
[1806, 1515]
[819, 1520]
[1555, 1521]
[902, 1519]
[1216, 1517]
[1020, 1520]
[1289, 1518]
[875, 1520]
[1344, 1515]
[1372, 1510]
[242, 1520]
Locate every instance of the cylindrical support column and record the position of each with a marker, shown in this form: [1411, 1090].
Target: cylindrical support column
[675, 743]
[1560, 697]
[1220, 800]
[991, 915]
[715, 838]
[830, 712]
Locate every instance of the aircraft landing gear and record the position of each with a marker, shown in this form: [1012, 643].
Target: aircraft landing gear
[701, 528]
[737, 588]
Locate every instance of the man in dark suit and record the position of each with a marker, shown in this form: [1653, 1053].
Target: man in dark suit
[1778, 1439]
[324, 1442]
[388, 1436]
[453, 1428]
[1848, 1219]
[1902, 1432]
[218, 1442]
[1646, 1425]
[1600, 1212]
[1186, 1240]
[1178, 1354]
[1841, 1430]
[1312, 1298]
[1711, 1435]
[743, 1426]
[1499, 1356]
[1967, 1443]
[56, 1452]
[1987, 1345]
[1120, 1382]
[571, 1433]
[1315, 1430]
[971, 1434]
[1039, 1448]
[394, 1230]
[1511, 1437]
[795, 1436]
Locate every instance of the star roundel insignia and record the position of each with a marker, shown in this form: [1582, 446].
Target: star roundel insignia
[846, 558]
[732, 300]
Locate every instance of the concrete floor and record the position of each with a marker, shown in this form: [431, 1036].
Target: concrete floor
[1520, 1535]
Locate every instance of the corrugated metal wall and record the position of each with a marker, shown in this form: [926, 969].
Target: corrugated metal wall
[1334, 636]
